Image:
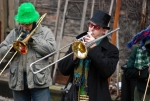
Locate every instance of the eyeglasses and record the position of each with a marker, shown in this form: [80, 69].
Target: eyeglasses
[96, 27]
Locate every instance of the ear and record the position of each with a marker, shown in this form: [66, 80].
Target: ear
[104, 31]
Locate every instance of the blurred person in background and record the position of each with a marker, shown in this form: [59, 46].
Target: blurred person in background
[138, 64]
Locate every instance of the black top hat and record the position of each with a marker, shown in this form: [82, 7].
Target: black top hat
[101, 18]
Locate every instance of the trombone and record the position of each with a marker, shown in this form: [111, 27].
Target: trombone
[78, 48]
[20, 46]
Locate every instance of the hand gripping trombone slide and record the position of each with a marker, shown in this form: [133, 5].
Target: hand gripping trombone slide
[20, 46]
[78, 48]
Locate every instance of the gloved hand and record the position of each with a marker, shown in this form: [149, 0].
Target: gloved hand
[131, 73]
[25, 35]
[124, 66]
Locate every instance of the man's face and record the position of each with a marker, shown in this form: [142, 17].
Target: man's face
[96, 30]
[26, 27]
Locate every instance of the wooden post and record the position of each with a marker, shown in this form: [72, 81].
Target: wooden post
[92, 10]
[11, 14]
[57, 18]
[3, 17]
[60, 39]
[0, 31]
[16, 5]
[83, 16]
[117, 13]
[110, 12]
[143, 14]
[1, 8]
[116, 20]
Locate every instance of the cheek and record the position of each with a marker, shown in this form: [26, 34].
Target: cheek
[30, 28]
[98, 35]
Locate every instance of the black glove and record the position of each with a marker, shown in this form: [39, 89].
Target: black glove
[131, 73]
[124, 66]
[144, 73]
[24, 35]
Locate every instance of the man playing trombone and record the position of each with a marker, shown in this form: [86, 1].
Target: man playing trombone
[89, 76]
[25, 85]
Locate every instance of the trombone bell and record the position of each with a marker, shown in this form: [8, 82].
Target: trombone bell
[20, 47]
[79, 49]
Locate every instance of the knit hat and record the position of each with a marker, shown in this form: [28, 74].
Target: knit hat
[26, 14]
[142, 37]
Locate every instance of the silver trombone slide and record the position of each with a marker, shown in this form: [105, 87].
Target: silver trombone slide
[48, 65]
[90, 43]
[31, 65]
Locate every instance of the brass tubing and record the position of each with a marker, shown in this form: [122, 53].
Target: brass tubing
[21, 42]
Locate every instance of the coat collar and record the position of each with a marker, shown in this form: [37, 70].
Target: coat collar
[105, 43]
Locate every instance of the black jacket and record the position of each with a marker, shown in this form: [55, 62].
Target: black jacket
[104, 58]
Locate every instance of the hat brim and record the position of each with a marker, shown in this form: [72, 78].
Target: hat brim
[107, 28]
[100, 24]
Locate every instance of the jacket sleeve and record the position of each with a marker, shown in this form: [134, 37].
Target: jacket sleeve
[44, 43]
[7, 44]
[66, 66]
[104, 64]
[131, 59]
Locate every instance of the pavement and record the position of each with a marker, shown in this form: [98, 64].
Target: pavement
[6, 93]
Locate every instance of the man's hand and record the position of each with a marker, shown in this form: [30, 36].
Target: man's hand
[89, 38]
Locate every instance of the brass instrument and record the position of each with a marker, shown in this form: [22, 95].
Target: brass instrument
[20, 46]
[83, 98]
[79, 49]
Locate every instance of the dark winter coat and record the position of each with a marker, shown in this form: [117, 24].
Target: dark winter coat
[104, 58]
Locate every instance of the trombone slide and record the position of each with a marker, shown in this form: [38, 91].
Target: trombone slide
[79, 49]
